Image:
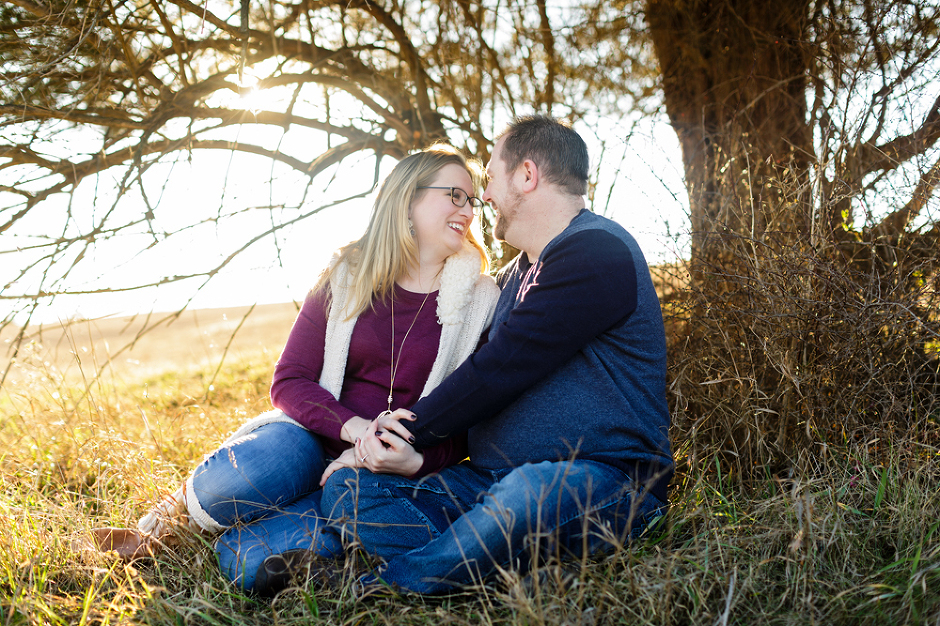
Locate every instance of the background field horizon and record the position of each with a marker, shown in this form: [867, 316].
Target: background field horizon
[186, 340]
[147, 344]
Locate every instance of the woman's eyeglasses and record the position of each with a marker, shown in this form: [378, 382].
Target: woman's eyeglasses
[460, 198]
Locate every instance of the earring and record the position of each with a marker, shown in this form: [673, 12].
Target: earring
[411, 227]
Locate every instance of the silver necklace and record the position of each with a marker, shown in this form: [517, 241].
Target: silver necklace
[393, 366]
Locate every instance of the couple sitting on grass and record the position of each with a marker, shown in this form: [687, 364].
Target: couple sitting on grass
[406, 359]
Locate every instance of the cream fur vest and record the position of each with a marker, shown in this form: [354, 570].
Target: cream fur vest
[465, 306]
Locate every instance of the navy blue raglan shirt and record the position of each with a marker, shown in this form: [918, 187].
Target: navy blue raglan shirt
[575, 364]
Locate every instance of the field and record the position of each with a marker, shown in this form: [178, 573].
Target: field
[854, 542]
[120, 348]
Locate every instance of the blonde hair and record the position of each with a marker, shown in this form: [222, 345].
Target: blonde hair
[387, 250]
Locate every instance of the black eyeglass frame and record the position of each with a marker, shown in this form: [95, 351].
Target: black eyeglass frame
[476, 206]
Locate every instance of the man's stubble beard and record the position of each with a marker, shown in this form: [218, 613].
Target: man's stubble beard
[506, 213]
[499, 229]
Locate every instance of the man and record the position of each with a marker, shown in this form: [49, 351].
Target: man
[564, 406]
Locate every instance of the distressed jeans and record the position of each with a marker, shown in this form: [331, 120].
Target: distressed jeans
[265, 489]
[461, 526]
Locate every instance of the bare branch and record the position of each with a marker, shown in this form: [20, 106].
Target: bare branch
[112, 119]
[35, 8]
[890, 155]
[897, 222]
[548, 43]
[207, 275]
[210, 17]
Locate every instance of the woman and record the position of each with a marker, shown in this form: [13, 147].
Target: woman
[393, 314]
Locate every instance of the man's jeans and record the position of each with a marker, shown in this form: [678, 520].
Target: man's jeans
[265, 489]
[461, 526]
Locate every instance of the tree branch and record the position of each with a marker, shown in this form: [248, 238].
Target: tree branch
[207, 275]
[548, 42]
[888, 156]
[896, 223]
[36, 8]
[204, 13]
[413, 59]
[98, 117]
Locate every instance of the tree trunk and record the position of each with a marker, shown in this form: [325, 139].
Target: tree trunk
[734, 82]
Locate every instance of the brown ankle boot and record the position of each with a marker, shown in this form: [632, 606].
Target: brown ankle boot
[153, 531]
[129, 544]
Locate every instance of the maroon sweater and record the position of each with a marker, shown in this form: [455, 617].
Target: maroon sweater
[295, 389]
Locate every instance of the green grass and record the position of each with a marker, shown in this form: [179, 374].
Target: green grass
[854, 541]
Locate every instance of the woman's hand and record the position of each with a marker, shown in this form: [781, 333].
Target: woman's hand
[346, 459]
[353, 429]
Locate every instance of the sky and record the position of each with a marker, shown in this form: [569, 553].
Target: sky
[639, 184]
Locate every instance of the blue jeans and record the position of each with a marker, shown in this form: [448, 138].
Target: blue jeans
[265, 488]
[459, 527]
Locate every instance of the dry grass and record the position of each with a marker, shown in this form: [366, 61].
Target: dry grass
[851, 540]
[779, 350]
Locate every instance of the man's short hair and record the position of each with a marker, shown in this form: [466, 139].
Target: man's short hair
[554, 147]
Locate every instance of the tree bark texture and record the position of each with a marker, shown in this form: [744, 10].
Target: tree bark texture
[734, 79]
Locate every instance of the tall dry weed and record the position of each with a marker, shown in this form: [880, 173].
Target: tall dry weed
[779, 348]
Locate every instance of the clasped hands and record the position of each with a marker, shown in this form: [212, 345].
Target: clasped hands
[384, 447]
